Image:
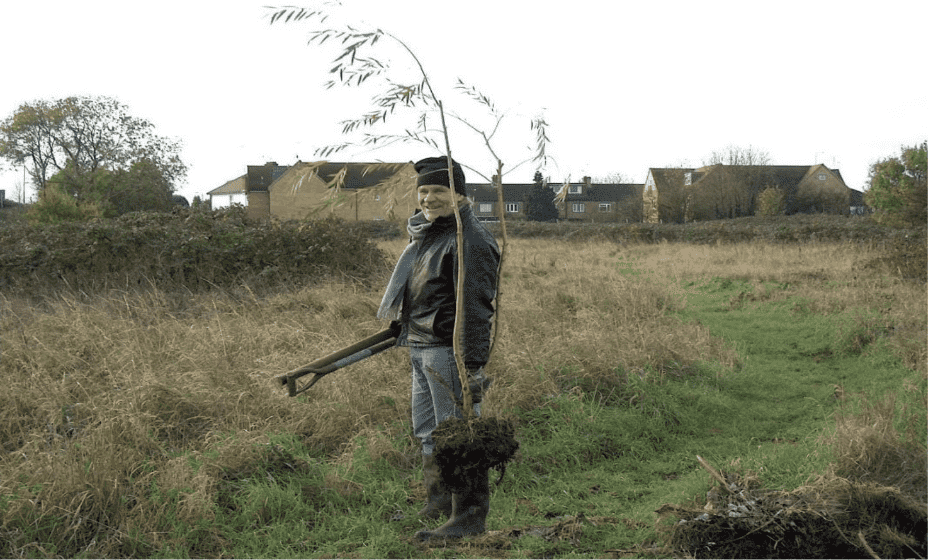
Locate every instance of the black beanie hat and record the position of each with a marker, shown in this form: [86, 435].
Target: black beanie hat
[435, 171]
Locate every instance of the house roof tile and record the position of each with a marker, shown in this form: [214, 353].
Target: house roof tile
[358, 175]
[517, 192]
[513, 192]
[355, 176]
[598, 192]
[784, 176]
[233, 186]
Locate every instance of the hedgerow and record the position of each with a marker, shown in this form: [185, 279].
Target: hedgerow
[800, 228]
[188, 249]
[196, 250]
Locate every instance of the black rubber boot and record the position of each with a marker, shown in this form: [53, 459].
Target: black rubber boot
[470, 506]
[438, 497]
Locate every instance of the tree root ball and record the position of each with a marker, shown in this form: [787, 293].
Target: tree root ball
[464, 447]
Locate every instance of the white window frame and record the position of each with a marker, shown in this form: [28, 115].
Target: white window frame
[822, 176]
[485, 207]
[575, 189]
[604, 207]
[513, 207]
[578, 207]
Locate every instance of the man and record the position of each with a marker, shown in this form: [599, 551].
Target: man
[420, 300]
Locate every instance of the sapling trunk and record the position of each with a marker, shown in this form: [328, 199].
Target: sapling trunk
[467, 400]
[500, 266]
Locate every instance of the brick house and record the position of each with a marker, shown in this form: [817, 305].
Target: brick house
[664, 196]
[351, 191]
[366, 191]
[249, 190]
[584, 201]
[229, 193]
[675, 195]
[857, 205]
[485, 200]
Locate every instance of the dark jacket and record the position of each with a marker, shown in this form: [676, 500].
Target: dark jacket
[428, 317]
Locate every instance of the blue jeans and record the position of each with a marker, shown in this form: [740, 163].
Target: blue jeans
[434, 374]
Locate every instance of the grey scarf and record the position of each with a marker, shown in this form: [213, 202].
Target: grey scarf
[393, 299]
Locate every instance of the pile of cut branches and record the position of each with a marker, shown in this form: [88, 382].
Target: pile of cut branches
[832, 517]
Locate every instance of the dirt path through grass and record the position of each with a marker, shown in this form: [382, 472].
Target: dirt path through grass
[768, 416]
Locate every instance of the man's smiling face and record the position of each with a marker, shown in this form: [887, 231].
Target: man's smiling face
[436, 201]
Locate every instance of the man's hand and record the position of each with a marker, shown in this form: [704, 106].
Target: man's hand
[478, 383]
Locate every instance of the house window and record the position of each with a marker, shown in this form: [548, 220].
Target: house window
[578, 208]
[513, 207]
[574, 189]
[604, 207]
[822, 176]
[485, 208]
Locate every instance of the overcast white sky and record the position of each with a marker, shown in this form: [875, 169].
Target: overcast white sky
[623, 85]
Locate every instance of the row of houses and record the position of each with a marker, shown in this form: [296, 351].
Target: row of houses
[385, 191]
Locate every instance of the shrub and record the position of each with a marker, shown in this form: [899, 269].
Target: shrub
[771, 202]
[55, 206]
[905, 256]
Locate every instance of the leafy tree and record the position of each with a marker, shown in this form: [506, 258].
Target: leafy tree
[55, 205]
[897, 187]
[81, 135]
[771, 202]
[141, 187]
[540, 202]
[27, 135]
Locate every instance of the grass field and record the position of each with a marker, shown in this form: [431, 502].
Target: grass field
[147, 424]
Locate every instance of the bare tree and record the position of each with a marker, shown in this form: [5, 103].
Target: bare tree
[729, 184]
[736, 155]
[615, 178]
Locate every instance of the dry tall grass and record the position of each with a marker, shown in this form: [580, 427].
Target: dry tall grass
[830, 278]
[114, 403]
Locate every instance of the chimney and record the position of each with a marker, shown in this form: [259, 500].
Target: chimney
[587, 181]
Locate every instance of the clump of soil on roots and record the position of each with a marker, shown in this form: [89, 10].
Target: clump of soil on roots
[475, 445]
[832, 517]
